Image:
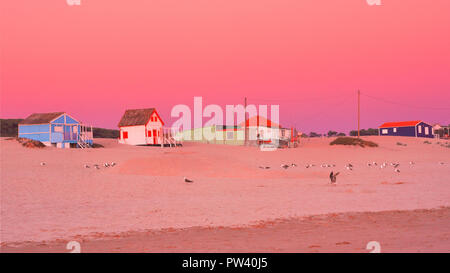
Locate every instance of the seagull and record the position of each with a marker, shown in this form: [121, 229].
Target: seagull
[349, 167]
[86, 166]
[397, 170]
[96, 166]
[265, 168]
[106, 165]
[42, 163]
[374, 163]
[323, 165]
[368, 164]
[333, 177]
[113, 164]
[294, 165]
[396, 165]
[188, 180]
[442, 163]
[284, 166]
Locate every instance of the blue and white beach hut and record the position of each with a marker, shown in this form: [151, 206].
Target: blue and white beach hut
[416, 128]
[56, 129]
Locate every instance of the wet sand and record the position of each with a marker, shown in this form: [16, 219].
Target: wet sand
[396, 231]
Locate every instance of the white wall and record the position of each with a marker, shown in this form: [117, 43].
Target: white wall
[136, 135]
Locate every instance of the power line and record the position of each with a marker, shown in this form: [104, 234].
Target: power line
[404, 105]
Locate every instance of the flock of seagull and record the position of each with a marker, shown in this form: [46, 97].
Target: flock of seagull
[348, 166]
[332, 175]
[95, 166]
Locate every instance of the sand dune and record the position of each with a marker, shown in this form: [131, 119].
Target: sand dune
[145, 191]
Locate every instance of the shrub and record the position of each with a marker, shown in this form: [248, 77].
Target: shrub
[364, 132]
[353, 141]
[314, 134]
[29, 143]
[332, 133]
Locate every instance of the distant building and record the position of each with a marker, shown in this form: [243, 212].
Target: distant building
[260, 129]
[415, 128]
[263, 129]
[56, 129]
[141, 127]
[440, 131]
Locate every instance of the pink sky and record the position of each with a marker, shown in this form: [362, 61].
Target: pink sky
[102, 57]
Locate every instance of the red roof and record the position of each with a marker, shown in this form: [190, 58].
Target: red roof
[259, 121]
[400, 124]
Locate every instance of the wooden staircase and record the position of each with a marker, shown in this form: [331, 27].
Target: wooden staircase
[84, 137]
[168, 138]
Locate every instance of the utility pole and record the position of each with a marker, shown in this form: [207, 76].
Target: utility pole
[359, 95]
[245, 123]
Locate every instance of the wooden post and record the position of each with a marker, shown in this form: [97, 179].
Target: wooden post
[245, 123]
[359, 95]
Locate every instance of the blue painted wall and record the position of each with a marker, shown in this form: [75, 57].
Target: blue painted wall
[422, 134]
[59, 120]
[38, 128]
[42, 137]
[401, 131]
[38, 132]
[70, 120]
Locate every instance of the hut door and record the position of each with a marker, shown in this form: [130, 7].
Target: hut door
[154, 136]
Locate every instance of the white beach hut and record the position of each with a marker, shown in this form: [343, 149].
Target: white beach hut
[141, 127]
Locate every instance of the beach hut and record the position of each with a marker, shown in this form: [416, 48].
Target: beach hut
[56, 129]
[441, 131]
[261, 128]
[416, 128]
[141, 127]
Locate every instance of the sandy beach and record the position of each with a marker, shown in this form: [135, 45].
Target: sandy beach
[143, 204]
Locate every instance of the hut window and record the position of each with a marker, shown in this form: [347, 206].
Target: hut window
[395, 130]
[384, 131]
[58, 129]
[427, 131]
[420, 129]
[149, 133]
[125, 135]
[230, 135]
